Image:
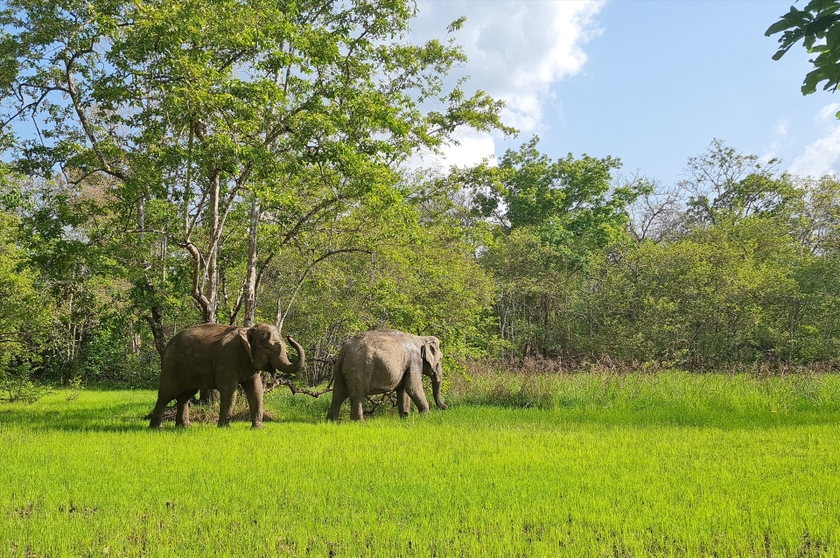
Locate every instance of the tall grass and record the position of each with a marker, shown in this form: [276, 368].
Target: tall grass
[674, 397]
[548, 465]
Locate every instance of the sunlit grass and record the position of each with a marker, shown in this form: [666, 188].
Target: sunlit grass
[596, 465]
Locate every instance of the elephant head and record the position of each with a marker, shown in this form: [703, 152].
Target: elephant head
[267, 351]
[433, 366]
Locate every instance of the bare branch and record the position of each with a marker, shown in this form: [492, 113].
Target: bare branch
[295, 390]
[280, 317]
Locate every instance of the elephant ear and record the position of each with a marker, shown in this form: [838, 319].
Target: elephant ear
[430, 352]
[245, 338]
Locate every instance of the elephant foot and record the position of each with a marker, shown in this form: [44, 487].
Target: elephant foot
[257, 425]
[155, 426]
[224, 425]
[442, 406]
[404, 416]
[182, 425]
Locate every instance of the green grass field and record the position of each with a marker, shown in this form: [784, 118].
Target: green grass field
[566, 465]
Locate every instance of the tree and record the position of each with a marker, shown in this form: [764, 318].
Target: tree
[553, 221]
[816, 216]
[195, 117]
[414, 268]
[723, 183]
[25, 313]
[722, 294]
[817, 25]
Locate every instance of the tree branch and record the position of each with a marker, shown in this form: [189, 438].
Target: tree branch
[295, 390]
[281, 317]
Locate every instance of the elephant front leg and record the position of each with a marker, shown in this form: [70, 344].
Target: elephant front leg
[227, 397]
[414, 389]
[403, 402]
[254, 392]
[356, 410]
[437, 395]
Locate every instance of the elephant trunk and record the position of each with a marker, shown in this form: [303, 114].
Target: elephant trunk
[437, 380]
[285, 365]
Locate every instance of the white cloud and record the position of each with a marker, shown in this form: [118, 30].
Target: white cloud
[516, 49]
[828, 112]
[472, 148]
[821, 157]
[779, 133]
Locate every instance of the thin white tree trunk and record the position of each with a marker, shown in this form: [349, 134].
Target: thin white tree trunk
[250, 287]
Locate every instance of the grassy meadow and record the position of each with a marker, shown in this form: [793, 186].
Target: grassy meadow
[667, 464]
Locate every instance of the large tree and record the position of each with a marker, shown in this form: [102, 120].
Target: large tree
[191, 117]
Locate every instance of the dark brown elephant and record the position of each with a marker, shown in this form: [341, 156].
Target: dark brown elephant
[384, 360]
[215, 356]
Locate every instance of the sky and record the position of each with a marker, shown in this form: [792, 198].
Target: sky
[651, 82]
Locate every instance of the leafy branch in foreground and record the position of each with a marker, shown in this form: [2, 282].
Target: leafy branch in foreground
[817, 25]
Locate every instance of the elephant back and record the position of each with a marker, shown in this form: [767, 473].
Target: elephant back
[197, 345]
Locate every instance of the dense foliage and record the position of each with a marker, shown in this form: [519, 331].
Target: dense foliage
[168, 163]
[174, 160]
[738, 265]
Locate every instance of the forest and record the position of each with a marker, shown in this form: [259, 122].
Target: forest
[172, 163]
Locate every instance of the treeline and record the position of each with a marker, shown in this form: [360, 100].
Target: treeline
[737, 264]
[167, 164]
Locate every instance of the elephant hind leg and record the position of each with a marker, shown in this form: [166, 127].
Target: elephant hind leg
[227, 398]
[156, 418]
[182, 416]
[339, 394]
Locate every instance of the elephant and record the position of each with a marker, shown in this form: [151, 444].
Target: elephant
[216, 356]
[383, 360]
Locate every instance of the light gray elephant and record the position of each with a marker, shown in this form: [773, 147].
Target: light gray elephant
[215, 356]
[384, 360]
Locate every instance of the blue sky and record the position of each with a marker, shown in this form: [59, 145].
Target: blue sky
[649, 81]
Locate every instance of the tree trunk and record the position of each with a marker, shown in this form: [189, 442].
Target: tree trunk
[205, 287]
[155, 321]
[212, 276]
[209, 302]
[155, 316]
[250, 288]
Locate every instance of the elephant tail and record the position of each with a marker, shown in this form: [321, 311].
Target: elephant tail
[339, 362]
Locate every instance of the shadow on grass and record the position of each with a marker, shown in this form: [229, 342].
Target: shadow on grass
[119, 417]
[128, 411]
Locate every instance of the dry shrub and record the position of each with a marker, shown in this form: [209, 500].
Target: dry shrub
[527, 384]
[776, 368]
[538, 365]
